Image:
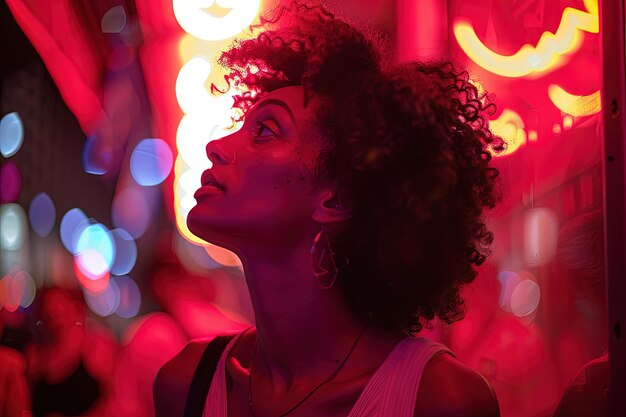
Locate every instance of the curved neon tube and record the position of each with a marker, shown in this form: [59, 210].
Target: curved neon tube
[577, 106]
[531, 59]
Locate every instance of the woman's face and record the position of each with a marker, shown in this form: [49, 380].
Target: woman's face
[266, 172]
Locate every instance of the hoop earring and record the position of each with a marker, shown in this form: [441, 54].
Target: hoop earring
[322, 254]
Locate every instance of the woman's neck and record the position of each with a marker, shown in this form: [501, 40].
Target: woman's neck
[303, 331]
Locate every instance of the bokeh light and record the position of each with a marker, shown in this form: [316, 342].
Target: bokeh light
[510, 126]
[191, 138]
[29, 288]
[94, 284]
[121, 57]
[10, 182]
[194, 20]
[17, 288]
[508, 281]
[130, 297]
[519, 292]
[72, 224]
[151, 162]
[191, 76]
[12, 227]
[11, 134]
[206, 117]
[104, 303]
[114, 20]
[525, 298]
[131, 212]
[95, 250]
[92, 264]
[97, 158]
[568, 122]
[541, 230]
[42, 214]
[9, 297]
[125, 252]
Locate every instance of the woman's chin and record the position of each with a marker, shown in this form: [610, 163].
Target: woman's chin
[206, 227]
[197, 223]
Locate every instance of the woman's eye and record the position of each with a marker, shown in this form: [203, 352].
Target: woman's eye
[262, 130]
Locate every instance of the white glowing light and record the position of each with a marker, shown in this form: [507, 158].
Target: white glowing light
[12, 226]
[191, 138]
[190, 91]
[114, 20]
[190, 181]
[525, 298]
[96, 249]
[11, 134]
[202, 24]
[541, 229]
[187, 203]
[206, 116]
[92, 264]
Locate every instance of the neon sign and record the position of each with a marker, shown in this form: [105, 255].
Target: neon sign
[577, 106]
[194, 18]
[510, 127]
[205, 116]
[543, 57]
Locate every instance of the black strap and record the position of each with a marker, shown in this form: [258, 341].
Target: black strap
[203, 375]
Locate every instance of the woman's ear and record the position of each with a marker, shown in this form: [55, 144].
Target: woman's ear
[330, 208]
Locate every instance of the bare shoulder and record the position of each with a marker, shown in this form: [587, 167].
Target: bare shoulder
[450, 388]
[173, 380]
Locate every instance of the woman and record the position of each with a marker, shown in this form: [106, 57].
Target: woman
[353, 195]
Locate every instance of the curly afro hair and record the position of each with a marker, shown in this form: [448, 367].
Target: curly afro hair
[408, 144]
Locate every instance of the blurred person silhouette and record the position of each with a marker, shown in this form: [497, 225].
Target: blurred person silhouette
[353, 195]
[69, 363]
[581, 250]
[14, 392]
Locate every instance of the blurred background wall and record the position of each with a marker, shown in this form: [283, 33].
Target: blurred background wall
[104, 122]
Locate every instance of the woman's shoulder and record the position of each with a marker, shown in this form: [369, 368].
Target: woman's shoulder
[450, 388]
[173, 380]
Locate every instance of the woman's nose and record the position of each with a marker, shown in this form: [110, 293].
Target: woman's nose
[218, 154]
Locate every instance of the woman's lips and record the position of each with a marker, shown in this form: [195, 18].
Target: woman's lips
[207, 190]
[209, 178]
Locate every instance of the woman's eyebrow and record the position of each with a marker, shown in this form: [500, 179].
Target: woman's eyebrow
[277, 103]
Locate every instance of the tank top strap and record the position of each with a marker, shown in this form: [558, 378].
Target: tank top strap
[216, 404]
[392, 390]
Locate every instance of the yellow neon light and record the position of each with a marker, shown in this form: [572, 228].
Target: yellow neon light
[568, 122]
[577, 106]
[548, 52]
[510, 127]
[205, 116]
[195, 17]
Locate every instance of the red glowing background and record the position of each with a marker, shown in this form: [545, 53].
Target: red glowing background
[536, 313]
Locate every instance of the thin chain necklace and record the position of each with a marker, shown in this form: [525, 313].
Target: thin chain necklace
[327, 380]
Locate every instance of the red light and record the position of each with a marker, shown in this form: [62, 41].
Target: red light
[91, 283]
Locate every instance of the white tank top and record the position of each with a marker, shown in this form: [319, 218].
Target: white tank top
[390, 391]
